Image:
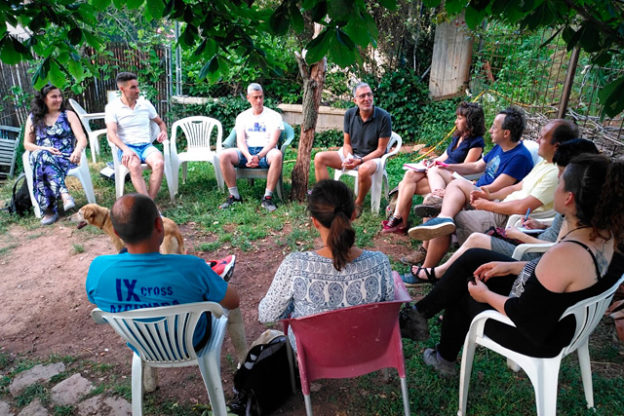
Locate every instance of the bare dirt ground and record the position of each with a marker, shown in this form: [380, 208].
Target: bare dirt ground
[45, 308]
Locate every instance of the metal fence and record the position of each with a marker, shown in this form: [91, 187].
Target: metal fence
[537, 72]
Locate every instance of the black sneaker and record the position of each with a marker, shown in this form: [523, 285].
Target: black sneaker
[268, 204]
[229, 201]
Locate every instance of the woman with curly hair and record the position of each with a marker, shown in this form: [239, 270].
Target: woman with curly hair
[466, 146]
[50, 136]
[582, 264]
[338, 274]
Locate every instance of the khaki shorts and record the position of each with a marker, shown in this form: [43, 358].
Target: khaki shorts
[476, 221]
[377, 161]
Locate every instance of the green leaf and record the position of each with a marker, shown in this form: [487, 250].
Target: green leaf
[611, 97]
[92, 40]
[40, 75]
[341, 49]
[473, 17]
[75, 69]
[590, 37]
[133, 4]
[357, 31]
[317, 47]
[296, 19]
[388, 4]
[602, 59]
[318, 12]
[453, 7]
[279, 20]
[119, 4]
[432, 3]
[155, 8]
[99, 4]
[75, 36]
[8, 54]
[56, 76]
[189, 34]
[340, 10]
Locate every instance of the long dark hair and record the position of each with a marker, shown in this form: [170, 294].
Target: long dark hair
[475, 119]
[38, 107]
[598, 185]
[331, 203]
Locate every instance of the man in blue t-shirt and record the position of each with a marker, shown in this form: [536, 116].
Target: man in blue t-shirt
[506, 164]
[144, 278]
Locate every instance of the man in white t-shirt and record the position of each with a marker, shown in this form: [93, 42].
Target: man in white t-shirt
[257, 132]
[128, 121]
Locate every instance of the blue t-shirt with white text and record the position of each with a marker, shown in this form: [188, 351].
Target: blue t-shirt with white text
[516, 162]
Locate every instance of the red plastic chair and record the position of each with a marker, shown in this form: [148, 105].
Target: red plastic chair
[349, 342]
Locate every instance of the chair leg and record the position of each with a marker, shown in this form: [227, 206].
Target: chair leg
[94, 147]
[586, 375]
[308, 404]
[465, 371]
[184, 171]
[210, 371]
[218, 173]
[137, 385]
[278, 188]
[236, 330]
[29, 182]
[406, 408]
[87, 185]
[376, 192]
[545, 383]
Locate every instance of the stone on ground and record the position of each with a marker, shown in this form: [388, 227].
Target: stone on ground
[70, 390]
[5, 409]
[105, 406]
[34, 409]
[36, 374]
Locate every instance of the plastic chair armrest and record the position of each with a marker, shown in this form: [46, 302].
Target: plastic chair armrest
[522, 249]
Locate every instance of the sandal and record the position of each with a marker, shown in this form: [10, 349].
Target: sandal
[412, 279]
[615, 306]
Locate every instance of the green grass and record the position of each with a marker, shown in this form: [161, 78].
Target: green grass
[31, 392]
[77, 248]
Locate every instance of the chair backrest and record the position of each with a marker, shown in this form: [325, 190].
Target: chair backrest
[396, 142]
[197, 130]
[163, 335]
[348, 342]
[9, 141]
[532, 147]
[588, 314]
[81, 112]
[286, 137]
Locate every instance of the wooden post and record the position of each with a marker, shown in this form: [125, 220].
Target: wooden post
[567, 87]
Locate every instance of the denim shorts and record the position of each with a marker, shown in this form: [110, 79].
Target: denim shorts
[242, 160]
[142, 151]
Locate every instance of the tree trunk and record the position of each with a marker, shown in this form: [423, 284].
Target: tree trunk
[313, 80]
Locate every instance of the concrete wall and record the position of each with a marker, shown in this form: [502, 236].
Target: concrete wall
[328, 119]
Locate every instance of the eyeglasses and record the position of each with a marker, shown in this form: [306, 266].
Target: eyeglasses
[365, 95]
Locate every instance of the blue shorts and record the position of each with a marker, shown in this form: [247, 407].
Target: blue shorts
[242, 160]
[142, 151]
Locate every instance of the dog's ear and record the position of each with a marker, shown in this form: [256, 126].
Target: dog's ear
[88, 214]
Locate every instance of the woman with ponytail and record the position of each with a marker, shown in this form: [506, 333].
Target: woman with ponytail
[338, 274]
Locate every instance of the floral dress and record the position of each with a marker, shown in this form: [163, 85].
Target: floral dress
[49, 171]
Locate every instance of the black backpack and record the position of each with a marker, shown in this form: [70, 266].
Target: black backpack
[20, 203]
[265, 380]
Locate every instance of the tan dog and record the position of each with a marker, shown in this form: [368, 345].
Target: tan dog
[99, 216]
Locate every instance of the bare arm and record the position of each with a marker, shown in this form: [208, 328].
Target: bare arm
[468, 168]
[508, 207]
[231, 299]
[346, 145]
[241, 143]
[163, 129]
[81, 139]
[271, 145]
[500, 182]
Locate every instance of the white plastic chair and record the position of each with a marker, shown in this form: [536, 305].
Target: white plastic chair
[380, 177]
[543, 372]
[163, 337]
[545, 217]
[198, 131]
[81, 172]
[9, 141]
[522, 249]
[93, 135]
[121, 171]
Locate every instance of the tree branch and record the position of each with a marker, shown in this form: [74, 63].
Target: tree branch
[615, 35]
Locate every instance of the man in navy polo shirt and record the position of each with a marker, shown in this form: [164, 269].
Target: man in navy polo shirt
[367, 130]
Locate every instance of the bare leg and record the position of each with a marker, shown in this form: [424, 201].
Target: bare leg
[439, 178]
[227, 160]
[136, 175]
[274, 157]
[455, 198]
[413, 183]
[476, 240]
[365, 173]
[322, 161]
[157, 163]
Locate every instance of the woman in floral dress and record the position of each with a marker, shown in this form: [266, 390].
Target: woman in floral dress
[50, 137]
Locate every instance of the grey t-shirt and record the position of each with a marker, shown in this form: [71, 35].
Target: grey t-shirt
[365, 135]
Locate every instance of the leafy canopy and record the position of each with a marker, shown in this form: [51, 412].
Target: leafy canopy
[212, 30]
[596, 26]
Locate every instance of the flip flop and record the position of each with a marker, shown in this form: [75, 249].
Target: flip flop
[615, 306]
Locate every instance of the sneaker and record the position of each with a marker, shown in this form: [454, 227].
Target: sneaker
[435, 227]
[416, 257]
[432, 358]
[431, 206]
[268, 204]
[223, 267]
[413, 324]
[230, 201]
[68, 203]
[49, 219]
[393, 225]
